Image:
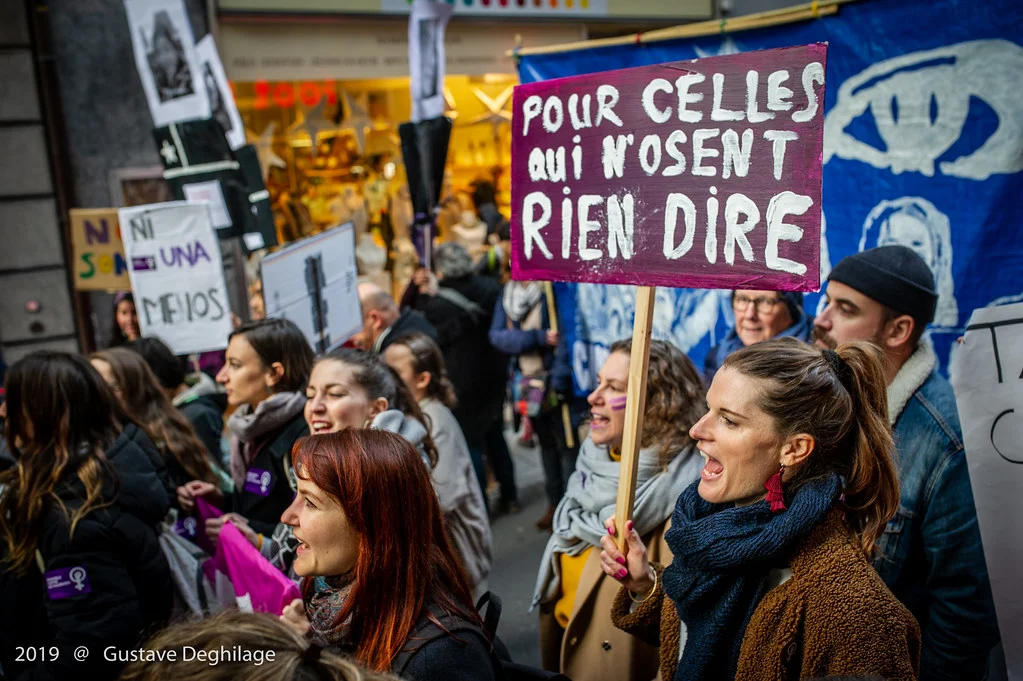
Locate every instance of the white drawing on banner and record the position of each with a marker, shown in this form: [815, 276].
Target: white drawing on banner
[915, 222]
[920, 103]
[729, 46]
[605, 315]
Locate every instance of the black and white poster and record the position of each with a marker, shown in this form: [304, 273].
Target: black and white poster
[166, 60]
[427, 22]
[218, 90]
[313, 283]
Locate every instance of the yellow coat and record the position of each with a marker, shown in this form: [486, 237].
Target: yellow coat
[591, 648]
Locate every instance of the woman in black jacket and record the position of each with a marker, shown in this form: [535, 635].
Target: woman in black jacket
[80, 562]
[268, 364]
[381, 582]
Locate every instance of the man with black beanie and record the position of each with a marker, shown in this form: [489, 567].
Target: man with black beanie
[930, 555]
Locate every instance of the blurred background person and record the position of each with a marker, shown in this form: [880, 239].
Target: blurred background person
[759, 316]
[521, 328]
[140, 395]
[196, 395]
[125, 323]
[419, 363]
[460, 308]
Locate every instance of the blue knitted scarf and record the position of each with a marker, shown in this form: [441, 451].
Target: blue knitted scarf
[722, 557]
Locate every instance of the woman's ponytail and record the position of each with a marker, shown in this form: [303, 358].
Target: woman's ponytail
[872, 487]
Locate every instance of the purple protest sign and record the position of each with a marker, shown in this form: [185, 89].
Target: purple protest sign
[699, 174]
[67, 582]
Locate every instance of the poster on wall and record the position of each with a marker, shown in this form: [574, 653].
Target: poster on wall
[313, 282]
[427, 23]
[177, 275]
[987, 375]
[218, 90]
[98, 252]
[165, 57]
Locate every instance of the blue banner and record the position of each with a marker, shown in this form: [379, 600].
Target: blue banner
[923, 146]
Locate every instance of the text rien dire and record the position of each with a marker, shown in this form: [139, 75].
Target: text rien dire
[741, 216]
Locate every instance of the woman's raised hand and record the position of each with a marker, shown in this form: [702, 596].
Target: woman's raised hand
[631, 569]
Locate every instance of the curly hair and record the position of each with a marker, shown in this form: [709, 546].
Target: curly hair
[675, 398]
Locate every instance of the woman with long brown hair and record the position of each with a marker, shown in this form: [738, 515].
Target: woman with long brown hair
[80, 563]
[770, 578]
[418, 361]
[380, 580]
[141, 397]
[577, 637]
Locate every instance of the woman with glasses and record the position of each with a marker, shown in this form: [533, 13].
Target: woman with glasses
[759, 316]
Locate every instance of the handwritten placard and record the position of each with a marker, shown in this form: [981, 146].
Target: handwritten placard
[987, 375]
[98, 253]
[177, 275]
[701, 174]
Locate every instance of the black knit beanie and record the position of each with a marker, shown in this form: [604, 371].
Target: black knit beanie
[895, 276]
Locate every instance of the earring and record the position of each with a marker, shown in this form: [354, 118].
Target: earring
[775, 493]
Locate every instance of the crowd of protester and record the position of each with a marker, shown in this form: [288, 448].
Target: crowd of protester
[802, 506]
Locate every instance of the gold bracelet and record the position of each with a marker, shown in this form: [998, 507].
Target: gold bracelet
[652, 590]
[260, 547]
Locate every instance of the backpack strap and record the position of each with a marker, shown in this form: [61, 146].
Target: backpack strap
[492, 618]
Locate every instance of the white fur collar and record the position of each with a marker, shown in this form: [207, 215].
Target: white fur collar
[910, 377]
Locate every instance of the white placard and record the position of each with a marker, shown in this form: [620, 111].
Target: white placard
[166, 60]
[218, 90]
[313, 282]
[177, 275]
[212, 194]
[987, 375]
[426, 24]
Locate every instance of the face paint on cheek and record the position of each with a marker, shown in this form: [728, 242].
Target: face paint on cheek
[618, 404]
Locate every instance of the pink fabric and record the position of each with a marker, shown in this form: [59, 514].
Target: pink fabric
[264, 587]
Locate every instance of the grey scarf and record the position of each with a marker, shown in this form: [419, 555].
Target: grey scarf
[519, 299]
[250, 426]
[591, 496]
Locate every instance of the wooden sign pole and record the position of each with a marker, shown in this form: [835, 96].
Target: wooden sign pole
[552, 315]
[635, 406]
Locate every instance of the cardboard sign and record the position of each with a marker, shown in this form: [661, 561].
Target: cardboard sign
[987, 375]
[98, 252]
[177, 275]
[702, 174]
[313, 283]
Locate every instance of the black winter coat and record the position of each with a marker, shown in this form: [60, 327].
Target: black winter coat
[106, 585]
[409, 321]
[458, 652]
[478, 371]
[262, 504]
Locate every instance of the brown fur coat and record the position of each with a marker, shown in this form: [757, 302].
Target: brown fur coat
[833, 617]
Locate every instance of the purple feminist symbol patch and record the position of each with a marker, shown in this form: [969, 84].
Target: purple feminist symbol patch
[143, 263]
[67, 582]
[259, 481]
[187, 528]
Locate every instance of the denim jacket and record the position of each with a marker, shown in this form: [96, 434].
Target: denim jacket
[931, 555]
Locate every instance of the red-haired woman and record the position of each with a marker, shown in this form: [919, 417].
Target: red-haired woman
[380, 580]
